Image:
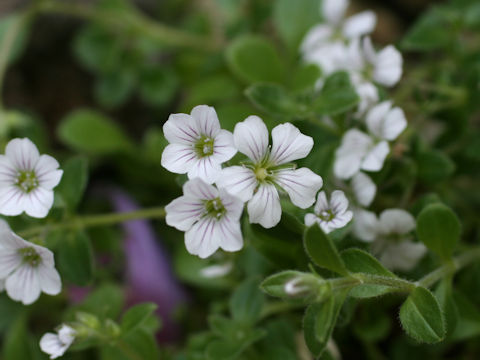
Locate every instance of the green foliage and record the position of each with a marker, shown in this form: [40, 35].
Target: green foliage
[274, 100]
[74, 181]
[14, 32]
[337, 95]
[439, 228]
[246, 302]
[422, 318]
[75, 258]
[136, 316]
[434, 166]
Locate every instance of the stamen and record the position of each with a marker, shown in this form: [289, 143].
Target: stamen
[30, 256]
[27, 181]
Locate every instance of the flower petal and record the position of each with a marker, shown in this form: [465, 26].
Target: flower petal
[181, 129]
[402, 256]
[223, 147]
[359, 24]
[310, 219]
[22, 153]
[178, 158]
[322, 203]
[264, 207]
[376, 118]
[37, 203]
[239, 181]
[368, 94]
[46, 172]
[348, 157]
[316, 37]
[232, 204]
[49, 279]
[228, 229]
[289, 144]
[183, 212]
[10, 260]
[202, 239]
[8, 173]
[51, 345]
[364, 189]
[251, 138]
[375, 158]
[365, 225]
[300, 184]
[23, 285]
[388, 66]
[334, 10]
[206, 169]
[199, 189]
[396, 221]
[11, 201]
[395, 123]
[338, 202]
[207, 120]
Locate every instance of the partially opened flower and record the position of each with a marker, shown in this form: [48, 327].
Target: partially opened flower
[197, 146]
[391, 238]
[330, 215]
[28, 269]
[27, 179]
[57, 344]
[209, 216]
[256, 181]
[364, 189]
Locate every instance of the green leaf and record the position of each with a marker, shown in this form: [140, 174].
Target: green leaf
[14, 346]
[319, 322]
[89, 131]
[232, 348]
[434, 166]
[322, 251]
[139, 344]
[136, 316]
[359, 261]
[114, 88]
[74, 181]
[274, 100]
[75, 259]
[439, 229]
[337, 95]
[106, 302]
[294, 18]
[14, 29]
[422, 318]
[443, 293]
[158, 85]
[254, 58]
[468, 324]
[305, 77]
[246, 302]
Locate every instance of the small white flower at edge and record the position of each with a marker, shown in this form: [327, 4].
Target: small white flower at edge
[364, 189]
[197, 146]
[28, 269]
[57, 344]
[330, 215]
[209, 216]
[360, 151]
[27, 179]
[390, 237]
[257, 180]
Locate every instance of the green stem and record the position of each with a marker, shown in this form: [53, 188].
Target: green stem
[81, 222]
[132, 21]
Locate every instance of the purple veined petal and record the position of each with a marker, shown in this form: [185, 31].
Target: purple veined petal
[203, 239]
[232, 203]
[207, 120]
[224, 147]
[300, 184]
[239, 181]
[45, 169]
[388, 66]
[230, 234]
[251, 138]
[11, 201]
[22, 153]
[289, 144]
[49, 278]
[37, 203]
[359, 24]
[8, 173]
[364, 189]
[179, 158]
[205, 168]
[334, 10]
[338, 202]
[183, 212]
[376, 118]
[340, 220]
[322, 203]
[199, 189]
[264, 207]
[149, 275]
[10, 260]
[396, 221]
[375, 158]
[181, 129]
[23, 285]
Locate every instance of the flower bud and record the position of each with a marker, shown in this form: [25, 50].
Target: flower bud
[89, 320]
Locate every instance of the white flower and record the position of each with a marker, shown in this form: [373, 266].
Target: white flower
[256, 181]
[390, 237]
[197, 146]
[55, 345]
[367, 94]
[28, 269]
[364, 189]
[359, 151]
[209, 216]
[27, 179]
[330, 215]
[383, 67]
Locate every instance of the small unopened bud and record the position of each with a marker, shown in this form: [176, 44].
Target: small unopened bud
[89, 320]
[112, 328]
[309, 287]
[294, 287]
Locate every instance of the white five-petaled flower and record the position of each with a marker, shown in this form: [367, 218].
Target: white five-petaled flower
[360, 151]
[390, 237]
[27, 179]
[330, 215]
[209, 216]
[55, 345]
[28, 269]
[197, 146]
[325, 45]
[256, 181]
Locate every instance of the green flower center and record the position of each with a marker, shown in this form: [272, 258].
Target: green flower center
[326, 215]
[30, 256]
[27, 181]
[261, 174]
[204, 146]
[214, 208]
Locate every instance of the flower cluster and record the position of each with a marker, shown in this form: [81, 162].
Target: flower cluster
[55, 345]
[344, 44]
[210, 215]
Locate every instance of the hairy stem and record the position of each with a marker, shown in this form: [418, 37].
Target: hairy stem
[81, 222]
